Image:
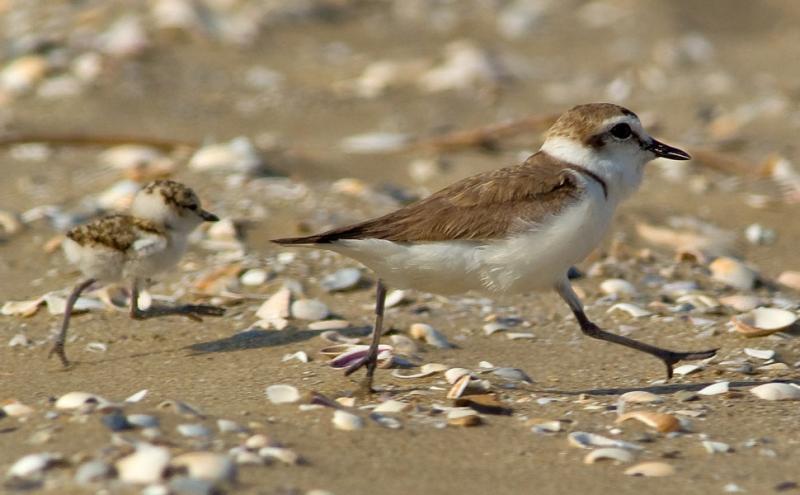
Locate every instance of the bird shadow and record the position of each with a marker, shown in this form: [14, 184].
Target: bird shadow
[257, 338]
[664, 389]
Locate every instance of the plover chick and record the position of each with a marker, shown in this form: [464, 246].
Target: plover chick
[135, 247]
[516, 229]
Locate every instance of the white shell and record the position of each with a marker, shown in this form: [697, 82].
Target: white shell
[277, 306]
[395, 297]
[716, 447]
[790, 279]
[341, 280]
[715, 389]
[21, 308]
[16, 408]
[282, 454]
[686, 369]
[56, 305]
[23, 73]
[257, 441]
[391, 406]
[650, 469]
[618, 286]
[741, 302]
[641, 396]
[493, 327]
[512, 374]
[374, 142]
[764, 354]
[733, 273]
[254, 277]
[206, 466]
[453, 374]
[309, 309]
[74, 400]
[386, 421]
[193, 430]
[764, 321]
[238, 155]
[146, 465]
[130, 155]
[32, 464]
[632, 309]
[423, 331]
[586, 440]
[777, 391]
[519, 335]
[299, 355]
[547, 427]
[327, 325]
[611, 453]
[458, 388]
[344, 420]
[282, 394]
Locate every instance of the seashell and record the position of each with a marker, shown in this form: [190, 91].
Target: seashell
[632, 310]
[206, 466]
[181, 408]
[777, 391]
[742, 302]
[406, 376]
[337, 338]
[10, 223]
[759, 235]
[309, 309]
[547, 427]
[463, 416]
[661, 422]
[257, 441]
[458, 388]
[116, 421]
[277, 306]
[763, 321]
[15, 408]
[466, 66]
[433, 367]
[716, 447]
[146, 465]
[282, 394]
[404, 345]
[519, 335]
[254, 277]
[641, 396]
[74, 400]
[733, 273]
[33, 464]
[349, 402]
[19, 340]
[56, 305]
[715, 389]
[341, 280]
[391, 406]
[790, 279]
[650, 469]
[282, 454]
[764, 354]
[23, 74]
[299, 355]
[774, 367]
[608, 453]
[686, 369]
[386, 421]
[493, 327]
[357, 352]
[374, 142]
[124, 38]
[454, 374]
[395, 298]
[331, 325]
[142, 420]
[699, 301]
[343, 420]
[193, 430]
[238, 156]
[21, 308]
[586, 440]
[423, 331]
[92, 472]
[618, 286]
[512, 374]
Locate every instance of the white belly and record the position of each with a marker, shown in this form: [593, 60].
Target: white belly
[535, 259]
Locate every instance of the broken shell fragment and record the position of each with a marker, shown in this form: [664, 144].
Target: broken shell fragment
[608, 453]
[33, 464]
[282, 394]
[661, 422]
[763, 321]
[463, 416]
[715, 389]
[790, 279]
[777, 391]
[21, 308]
[764, 354]
[206, 466]
[640, 396]
[632, 309]
[458, 388]
[146, 465]
[282, 454]
[454, 374]
[741, 302]
[344, 420]
[650, 469]
[74, 400]
[423, 331]
[15, 408]
[716, 447]
[391, 406]
[586, 440]
[686, 369]
[309, 309]
[618, 286]
[355, 353]
[733, 273]
[341, 280]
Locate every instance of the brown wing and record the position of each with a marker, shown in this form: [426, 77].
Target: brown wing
[115, 231]
[486, 206]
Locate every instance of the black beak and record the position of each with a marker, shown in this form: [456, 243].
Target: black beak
[666, 151]
[208, 216]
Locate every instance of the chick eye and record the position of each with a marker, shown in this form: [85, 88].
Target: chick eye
[621, 131]
[192, 207]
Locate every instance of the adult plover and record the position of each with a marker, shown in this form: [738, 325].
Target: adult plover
[515, 229]
[135, 247]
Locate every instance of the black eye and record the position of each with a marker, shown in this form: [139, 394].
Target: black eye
[192, 207]
[621, 131]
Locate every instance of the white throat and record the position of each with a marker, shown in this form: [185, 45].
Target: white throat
[621, 171]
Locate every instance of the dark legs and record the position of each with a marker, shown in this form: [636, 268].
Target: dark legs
[371, 360]
[192, 311]
[58, 347]
[588, 328]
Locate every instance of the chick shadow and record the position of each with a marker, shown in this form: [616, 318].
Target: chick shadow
[662, 389]
[257, 338]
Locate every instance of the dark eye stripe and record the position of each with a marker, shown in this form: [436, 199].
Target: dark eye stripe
[621, 131]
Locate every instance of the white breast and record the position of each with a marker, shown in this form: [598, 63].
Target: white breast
[535, 259]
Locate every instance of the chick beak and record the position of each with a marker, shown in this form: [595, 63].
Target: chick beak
[666, 151]
[208, 216]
